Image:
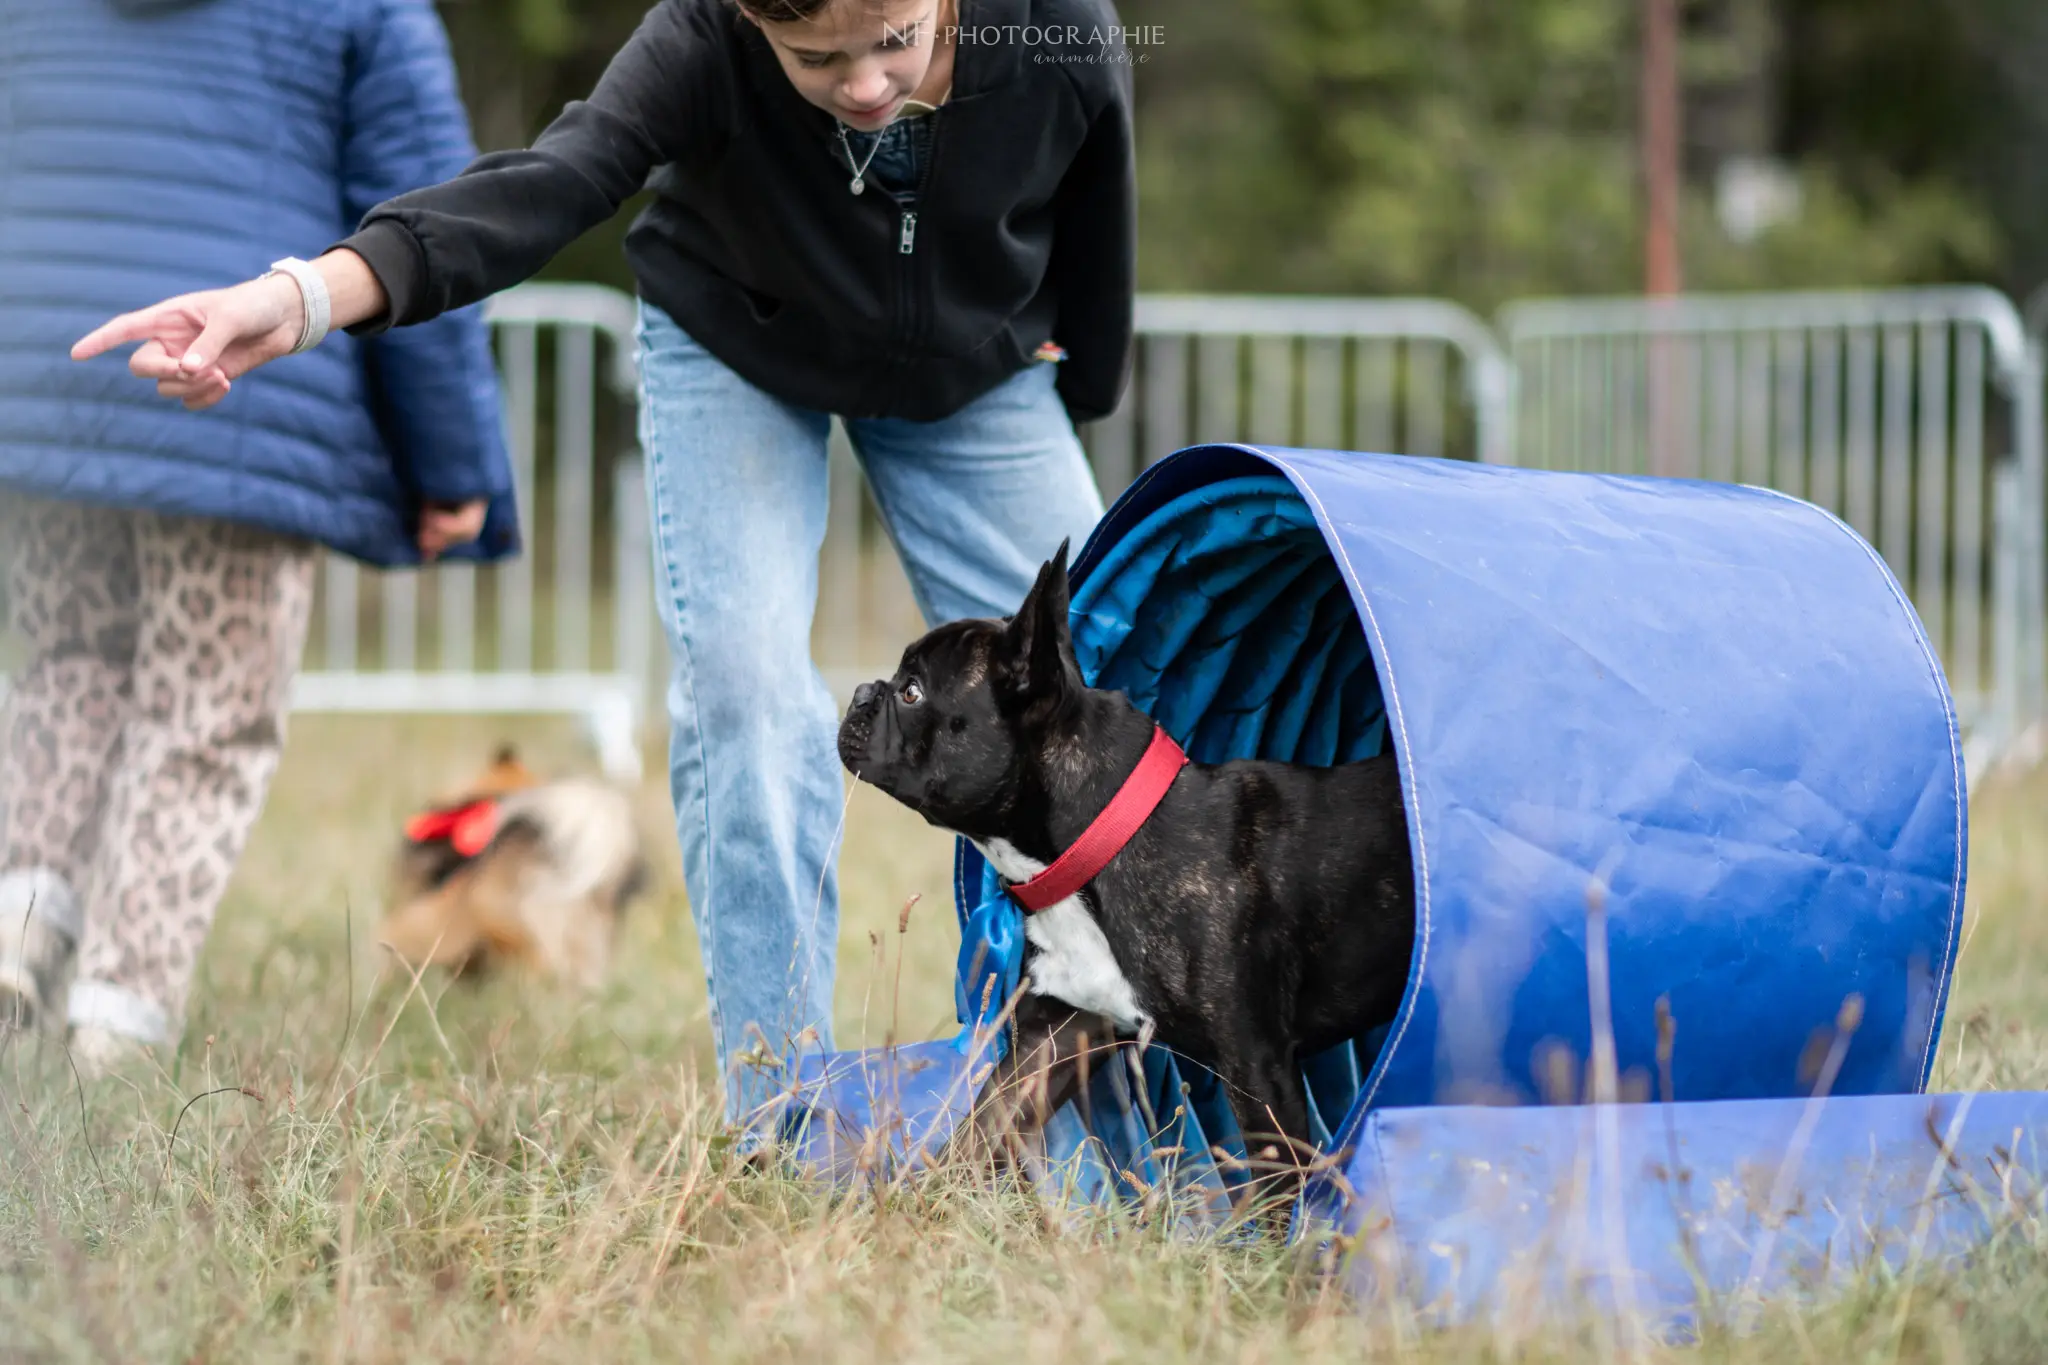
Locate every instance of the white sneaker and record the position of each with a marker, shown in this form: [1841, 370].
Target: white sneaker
[18, 1008]
[98, 1052]
[112, 1026]
[39, 925]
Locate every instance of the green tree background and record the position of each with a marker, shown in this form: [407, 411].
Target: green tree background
[1486, 149]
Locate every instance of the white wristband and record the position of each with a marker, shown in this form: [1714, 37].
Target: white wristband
[316, 306]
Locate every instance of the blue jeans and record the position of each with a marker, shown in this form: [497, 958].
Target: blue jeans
[737, 489]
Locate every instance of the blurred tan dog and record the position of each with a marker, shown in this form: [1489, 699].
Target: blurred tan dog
[517, 872]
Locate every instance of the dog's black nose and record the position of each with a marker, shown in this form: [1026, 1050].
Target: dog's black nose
[865, 694]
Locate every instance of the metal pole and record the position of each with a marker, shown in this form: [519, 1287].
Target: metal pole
[2033, 511]
[1661, 181]
[1660, 123]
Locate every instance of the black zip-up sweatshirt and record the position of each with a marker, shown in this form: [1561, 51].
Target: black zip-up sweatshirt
[1022, 231]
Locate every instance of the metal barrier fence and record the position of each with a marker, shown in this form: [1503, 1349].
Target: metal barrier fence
[1414, 376]
[552, 631]
[1408, 376]
[1917, 416]
[1913, 415]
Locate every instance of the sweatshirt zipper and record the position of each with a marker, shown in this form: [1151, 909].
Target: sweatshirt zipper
[906, 237]
[908, 308]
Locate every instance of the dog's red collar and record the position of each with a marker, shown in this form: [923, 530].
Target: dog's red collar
[1107, 834]
[467, 828]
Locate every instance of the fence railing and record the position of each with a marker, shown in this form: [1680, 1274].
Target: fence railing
[1913, 415]
[1417, 376]
[1414, 376]
[559, 629]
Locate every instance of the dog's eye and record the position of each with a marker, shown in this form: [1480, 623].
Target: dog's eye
[911, 693]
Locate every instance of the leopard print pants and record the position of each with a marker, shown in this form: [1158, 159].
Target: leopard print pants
[139, 740]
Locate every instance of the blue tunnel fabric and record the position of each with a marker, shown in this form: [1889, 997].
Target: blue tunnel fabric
[1715, 698]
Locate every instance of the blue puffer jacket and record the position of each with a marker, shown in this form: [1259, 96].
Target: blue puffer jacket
[154, 147]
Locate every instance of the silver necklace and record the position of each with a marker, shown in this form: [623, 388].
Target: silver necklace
[859, 183]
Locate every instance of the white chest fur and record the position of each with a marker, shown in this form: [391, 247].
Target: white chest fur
[1073, 962]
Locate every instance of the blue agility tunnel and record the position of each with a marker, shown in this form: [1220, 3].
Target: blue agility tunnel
[1713, 702]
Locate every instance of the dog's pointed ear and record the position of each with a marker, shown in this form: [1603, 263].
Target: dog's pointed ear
[1040, 645]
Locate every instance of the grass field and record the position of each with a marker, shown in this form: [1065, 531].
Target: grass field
[456, 1175]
